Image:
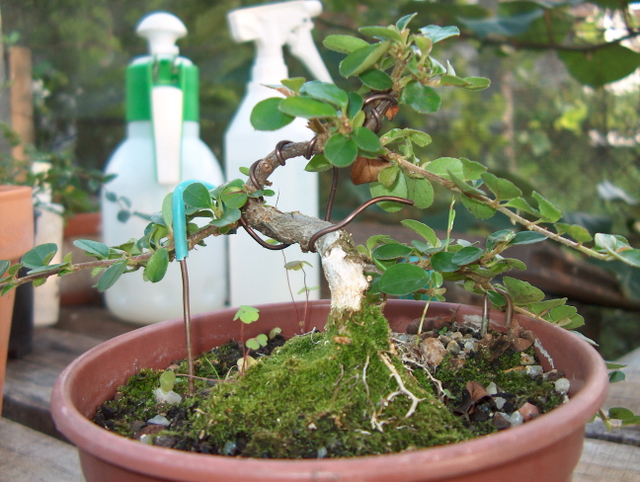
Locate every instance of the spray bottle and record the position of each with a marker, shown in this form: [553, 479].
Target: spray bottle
[257, 275]
[162, 148]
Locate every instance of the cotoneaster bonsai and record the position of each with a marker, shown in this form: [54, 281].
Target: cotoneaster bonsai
[397, 71]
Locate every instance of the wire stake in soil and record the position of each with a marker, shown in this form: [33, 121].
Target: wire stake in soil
[186, 307]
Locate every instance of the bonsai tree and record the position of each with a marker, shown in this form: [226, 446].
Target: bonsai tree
[396, 70]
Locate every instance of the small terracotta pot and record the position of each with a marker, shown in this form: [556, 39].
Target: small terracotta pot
[16, 238]
[545, 449]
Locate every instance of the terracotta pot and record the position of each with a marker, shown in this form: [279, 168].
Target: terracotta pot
[545, 449]
[16, 238]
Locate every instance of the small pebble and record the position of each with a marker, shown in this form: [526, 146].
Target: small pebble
[322, 452]
[456, 336]
[562, 385]
[516, 419]
[501, 421]
[453, 347]
[159, 420]
[146, 439]
[528, 411]
[492, 388]
[230, 448]
[432, 351]
[444, 339]
[499, 401]
[534, 370]
[527, 359]
[469, 347]
[166, 397]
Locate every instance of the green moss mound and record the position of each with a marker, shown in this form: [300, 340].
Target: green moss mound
[328, 394]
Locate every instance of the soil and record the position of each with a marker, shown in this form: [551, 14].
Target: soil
[319, 395]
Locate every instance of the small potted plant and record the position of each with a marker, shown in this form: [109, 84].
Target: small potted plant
[356, 369]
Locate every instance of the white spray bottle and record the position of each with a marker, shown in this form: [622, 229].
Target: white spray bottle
[257, 275]
[162, 148]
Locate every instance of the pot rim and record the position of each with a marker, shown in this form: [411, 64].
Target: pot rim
[445, 460]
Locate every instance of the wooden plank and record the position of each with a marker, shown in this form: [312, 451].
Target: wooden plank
[29, 380]
[608, 462]
[30, 456]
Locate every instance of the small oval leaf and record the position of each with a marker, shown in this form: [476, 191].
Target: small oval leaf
[362, 59]
[340, 150]
[157, 265]
[266, 115]
[307, 107]
[403, 279]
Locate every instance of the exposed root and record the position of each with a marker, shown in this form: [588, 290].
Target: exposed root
[410, 358]
[402, 390]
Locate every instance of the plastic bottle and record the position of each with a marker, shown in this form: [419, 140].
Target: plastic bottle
[162, 148]
[49, 229]
[257, 275]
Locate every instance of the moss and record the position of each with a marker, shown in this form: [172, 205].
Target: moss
[319, 395]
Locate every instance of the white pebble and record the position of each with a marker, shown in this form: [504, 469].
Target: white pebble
[146, 439]
[516, 419]
[499, 401]
[562, 385]
[534, 370]
[527, 359]
[166, 397]
[159, 420]
[492, 388]
[469, 346]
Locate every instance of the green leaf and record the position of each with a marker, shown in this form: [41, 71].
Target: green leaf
[233, 197]
[520, 204]
[476, 83]
[344, 43]
[444, 165]
[230, 216]
[382, 33]
[247, 314]
[454, 81]
[601, 66]
[527, 237]
[478, 209]
[266, 115]
[630, 256]
[467, 255]
[295, 83]
[423, 230]
[157, 265]
[364, 58]
[577, 232]
[92, 248]
[472, 170]
[167, 210]
[253, 344]
[437, 33]
[307, 107]
[621, 413]
[355, 105]
[389, 175]
[566, 316]
[391, 251]
[502, 188]
[463, 186]
[404, 21]
[422, 98]
[402, 279]
[376, 79]
[398, 188]
[318, 163]
[419, 138]
[39, 256]
[167, 380]
[198, 196]
[4, 266]
[366, 140]
[547, 210]
[111, 275]
[545, 306]
[420, 191]
[522, 292]
[341, 150]
[326, 92]
[443, 262]
[616, 376]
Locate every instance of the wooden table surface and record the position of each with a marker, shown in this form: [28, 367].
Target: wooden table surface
[31, 450]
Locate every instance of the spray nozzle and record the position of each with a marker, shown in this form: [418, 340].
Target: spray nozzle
[162, 30]
[274, 25]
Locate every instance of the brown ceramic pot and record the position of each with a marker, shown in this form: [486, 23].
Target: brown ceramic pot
[545, 449]
[16, 238]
